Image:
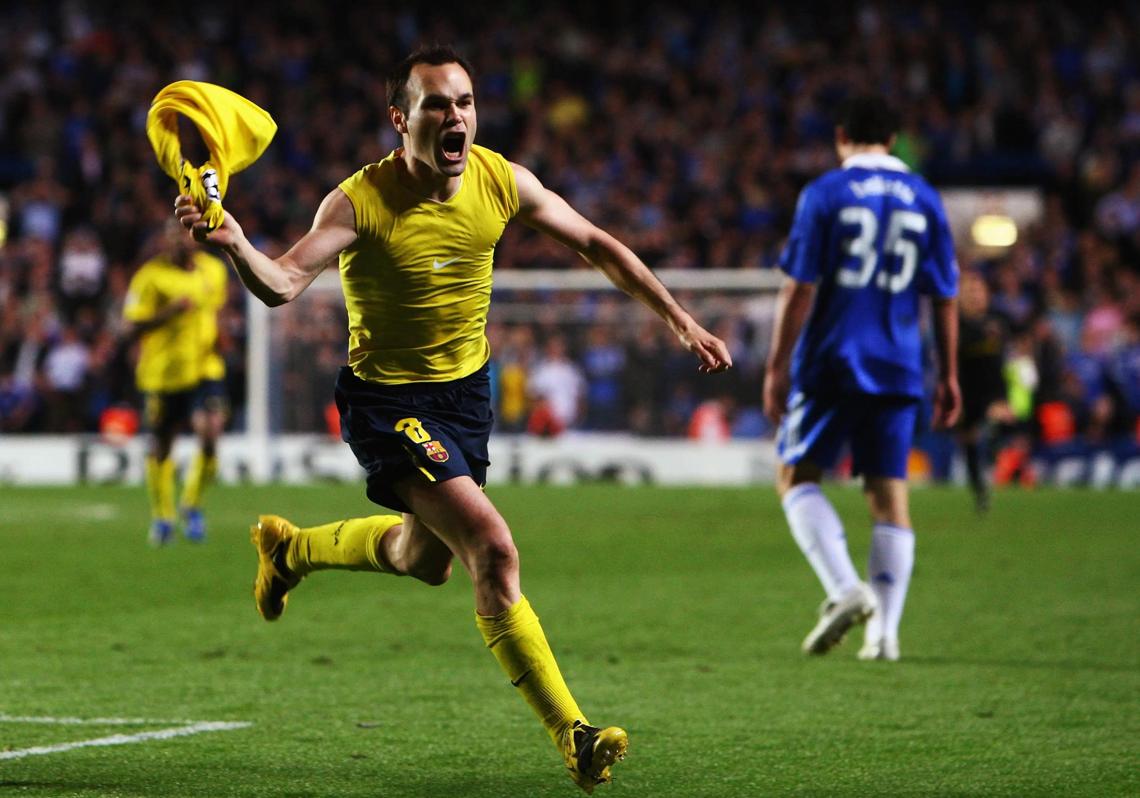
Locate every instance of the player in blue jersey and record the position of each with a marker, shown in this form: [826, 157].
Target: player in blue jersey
[845, 366]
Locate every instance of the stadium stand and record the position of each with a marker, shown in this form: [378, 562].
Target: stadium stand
[686, 134]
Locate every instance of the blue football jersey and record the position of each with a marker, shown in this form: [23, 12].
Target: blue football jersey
[872, 236]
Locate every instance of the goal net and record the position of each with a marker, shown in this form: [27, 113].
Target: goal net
[572, 358]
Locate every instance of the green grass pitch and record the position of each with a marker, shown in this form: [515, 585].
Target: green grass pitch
[676, 613]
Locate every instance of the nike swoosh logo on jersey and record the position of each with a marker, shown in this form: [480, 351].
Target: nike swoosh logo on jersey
[439, 264]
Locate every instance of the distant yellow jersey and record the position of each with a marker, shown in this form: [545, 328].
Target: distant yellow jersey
[180, 353]
[417, 281]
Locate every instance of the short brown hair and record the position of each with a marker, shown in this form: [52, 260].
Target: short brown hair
[435, 55]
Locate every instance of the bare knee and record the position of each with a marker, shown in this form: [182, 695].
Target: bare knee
[496, 555]
[783, 481]
[462, 517]
[788, 476]
[888, 501]
[160, 447]
[492, 555]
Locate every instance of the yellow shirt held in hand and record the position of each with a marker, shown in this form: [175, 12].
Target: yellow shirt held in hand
[235, 130]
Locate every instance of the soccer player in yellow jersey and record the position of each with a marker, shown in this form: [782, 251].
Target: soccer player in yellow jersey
[415, 235]
[172, 305]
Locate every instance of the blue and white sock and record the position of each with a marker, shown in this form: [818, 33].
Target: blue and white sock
[888, 569]
[819, 533]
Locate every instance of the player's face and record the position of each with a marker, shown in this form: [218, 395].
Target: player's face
[440, 123]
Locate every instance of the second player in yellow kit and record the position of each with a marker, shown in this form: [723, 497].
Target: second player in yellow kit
[415, 235]
[172, 305]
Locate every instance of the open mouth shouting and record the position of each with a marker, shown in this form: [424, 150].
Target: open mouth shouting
[453, 146]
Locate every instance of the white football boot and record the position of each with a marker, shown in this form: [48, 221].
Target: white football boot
[837, 617]
[882, 648]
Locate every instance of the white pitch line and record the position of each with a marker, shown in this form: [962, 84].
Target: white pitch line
[127, 739]
[49, 721]
[102, 511]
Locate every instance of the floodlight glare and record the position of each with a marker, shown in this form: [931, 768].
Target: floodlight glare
[993, 230]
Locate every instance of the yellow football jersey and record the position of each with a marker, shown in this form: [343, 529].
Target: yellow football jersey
[178, 354]
[417, 282]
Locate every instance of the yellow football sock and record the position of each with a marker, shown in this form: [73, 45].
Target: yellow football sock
[352, 545]
[160, 487]
[202, 472]
[516, 639]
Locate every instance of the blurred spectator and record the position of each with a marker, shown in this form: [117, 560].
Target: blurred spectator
[680, 406]
[1088, 414]
[1086, 366]
[643, 380]
[603, 363]
[1062, 310]
[1124, 376]
[1103, 322]
[558, 389]
[685, 131]
[65, 373]
[1022, 379]
[40, 204]
[711, 421]
[18, 405]
[1118, 213]
[1010, 299]
[28, 353]
[749, 421]
[81, 271]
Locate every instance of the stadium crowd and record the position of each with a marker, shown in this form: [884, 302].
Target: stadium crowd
[686, 134]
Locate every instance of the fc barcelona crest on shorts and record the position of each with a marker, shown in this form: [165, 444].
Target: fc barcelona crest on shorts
[436, 451]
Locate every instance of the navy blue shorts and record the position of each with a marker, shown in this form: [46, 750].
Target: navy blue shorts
[165, 412]
[436, 430]
[880, 430]
[211, 395]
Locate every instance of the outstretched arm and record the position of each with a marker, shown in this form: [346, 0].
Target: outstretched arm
[547, 212]
[276, 281]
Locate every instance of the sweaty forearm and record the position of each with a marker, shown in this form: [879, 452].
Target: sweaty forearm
[627, 272]
[265, 278]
